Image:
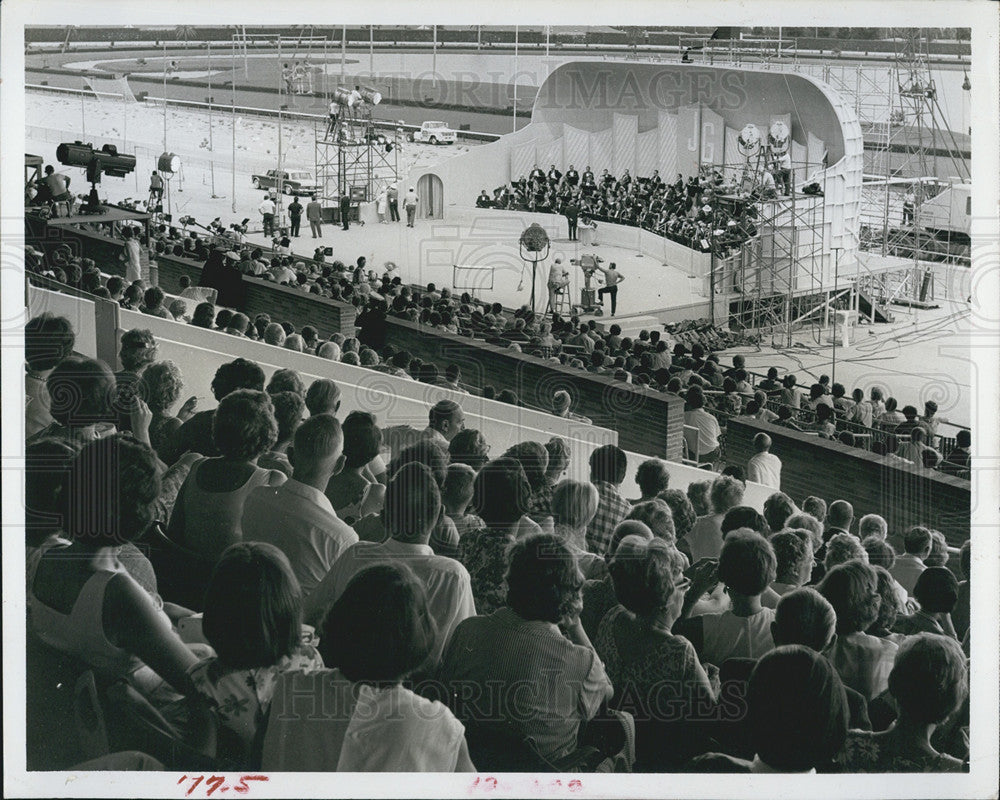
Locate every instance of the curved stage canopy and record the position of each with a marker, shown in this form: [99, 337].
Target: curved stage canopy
[678, 118]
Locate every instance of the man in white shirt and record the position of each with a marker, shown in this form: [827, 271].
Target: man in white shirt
[909, 564]
[707, 425]
[411, 511]
[267, 210]
[764, 467]
[410, 201]
[296, 517]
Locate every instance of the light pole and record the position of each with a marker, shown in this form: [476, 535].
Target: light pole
[514, 116]
[836, 279]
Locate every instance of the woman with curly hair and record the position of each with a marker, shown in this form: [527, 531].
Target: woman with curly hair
[649, 665]
[863, 661]
[705, 538]
[206, 517]
[534, 643]
[160, 386]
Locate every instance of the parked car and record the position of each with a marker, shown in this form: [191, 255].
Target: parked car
[292, 181]
[435, 133]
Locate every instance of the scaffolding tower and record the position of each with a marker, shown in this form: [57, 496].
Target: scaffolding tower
[355, 155]
[781, 275]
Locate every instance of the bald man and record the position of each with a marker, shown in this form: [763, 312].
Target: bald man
[764, 467]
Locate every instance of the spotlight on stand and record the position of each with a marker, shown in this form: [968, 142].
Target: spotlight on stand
[370, 96]
[169, 163]
[344, 97]
[96, 162]
[534, 244]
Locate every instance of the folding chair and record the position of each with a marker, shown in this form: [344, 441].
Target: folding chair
[691, 455]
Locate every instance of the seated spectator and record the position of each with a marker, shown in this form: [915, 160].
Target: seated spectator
[81, 600]
[379, 632]
[560, 678]
[152, 303]
[816, 506]
[936, 591]
[777, 509]
[797, 716]
[790, 395]
[910, 563]
[323, 397]
[534, 460]
[961, 614]
[275, 334]
[48, 339]
[561, 403]
[352, 491]
[138, 351]
[296, 516]
[958, 459]
[204, 315]
[804, 617]
[160, 387]
[698, 492]
[209, 510]
[286, 380]
[652, 478]
[598, 592]
[558, 453]
[891, 418]
[412, 508]
[456, 495]
[709, 431]
[841, 548]
[607, 471]
[872, 525]
[939, 556]
[178, 310]
[746, 567]
[705, 537]
[252, 619]
[928, 681]
[785, 419]
[915, 449]
[657, 516]
[764, 467]
[195, 434]
[863, 661]
[469, 447]
[79, 389]
[500, 498]
[890, 607]
[794, 560]
[643, 658]
[574, 504]
[289, 410]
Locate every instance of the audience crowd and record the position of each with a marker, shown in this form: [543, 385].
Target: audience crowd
[341, 594]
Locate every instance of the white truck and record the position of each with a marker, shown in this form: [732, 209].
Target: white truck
[434, 133]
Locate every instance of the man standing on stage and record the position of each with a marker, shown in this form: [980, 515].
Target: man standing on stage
[572, 214]
[345, 210]
[295, 216]
[392, 196]
[612, 277]
[314, 213]
[410, 204]
[267, 210]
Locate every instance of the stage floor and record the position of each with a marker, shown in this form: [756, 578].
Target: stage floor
[487, 242]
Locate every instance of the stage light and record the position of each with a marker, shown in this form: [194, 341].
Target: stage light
[966, 84]
[534, 239]
[107, 160]
[169, 163]
[371, 96]
[344, 97]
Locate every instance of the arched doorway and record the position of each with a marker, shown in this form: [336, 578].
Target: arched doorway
[430, 190]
